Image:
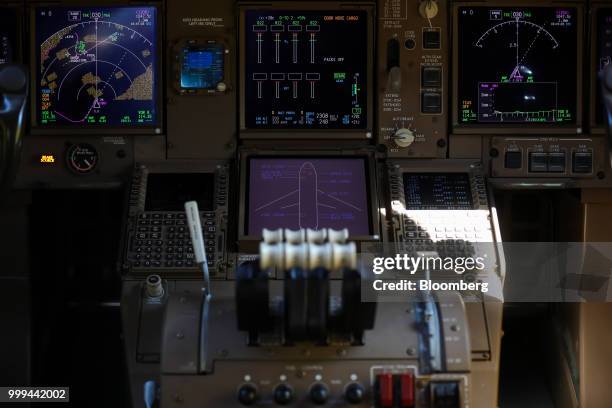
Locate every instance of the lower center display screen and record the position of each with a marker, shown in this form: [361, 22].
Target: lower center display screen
[308, 193]
[170, 191]
[437, 191]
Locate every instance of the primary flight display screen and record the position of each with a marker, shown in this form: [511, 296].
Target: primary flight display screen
[97, 66]
[437, 191]
[308, 193]
[517, 65]
[8, 30]
[170, 191]
[306, 69]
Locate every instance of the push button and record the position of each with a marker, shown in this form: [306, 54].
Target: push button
[431, 77]
[513, 160]
[582, 162]
[445, 394]
[556, 162]
[431, 39]
[431, 102]
[538, 162]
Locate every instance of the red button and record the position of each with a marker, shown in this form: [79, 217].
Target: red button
[385, 390]
[407, 390]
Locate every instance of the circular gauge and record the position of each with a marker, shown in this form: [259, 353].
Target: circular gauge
[82, 158]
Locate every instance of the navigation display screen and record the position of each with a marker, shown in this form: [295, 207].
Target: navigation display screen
[517, 65]
[170, 191]
[97, 66]
[604, 54]
[8, 34]
[306, 69]
[202, 66]
[308, 193]
[437, 191]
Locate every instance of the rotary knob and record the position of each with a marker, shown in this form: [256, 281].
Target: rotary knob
[428, 9]
[354, 393]
[319, 394]
[247, 394]
[283, 394]
[403, 137]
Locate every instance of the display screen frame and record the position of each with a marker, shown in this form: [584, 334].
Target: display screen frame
[371, 188]
[156, 128]
[597, 124]
[16, 33]
[365, 132]
[518, 128]
[228, 67]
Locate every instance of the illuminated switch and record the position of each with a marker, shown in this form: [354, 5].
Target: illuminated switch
[406, 384]
[513, 160]
[431, 77]
[431, 102]
[582, 162]
[556, 162]
[538, 162]
[431, 39]
[385, 390]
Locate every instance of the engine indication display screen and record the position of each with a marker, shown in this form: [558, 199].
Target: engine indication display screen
[517, 65]
[308, 193]
[305, 69]
[202, 66]
[97, 66]
[437, 191]
[8, 37]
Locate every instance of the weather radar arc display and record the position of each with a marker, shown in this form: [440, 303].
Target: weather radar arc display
[517, 65]
[97, 66]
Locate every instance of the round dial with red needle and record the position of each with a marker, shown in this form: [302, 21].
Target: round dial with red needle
[82, 158]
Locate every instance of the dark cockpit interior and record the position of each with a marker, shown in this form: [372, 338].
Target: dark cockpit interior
[334, 203]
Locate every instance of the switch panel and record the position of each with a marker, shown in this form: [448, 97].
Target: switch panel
[548, 157]
[412, 64]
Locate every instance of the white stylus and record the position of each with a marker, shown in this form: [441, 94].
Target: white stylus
[197, 240]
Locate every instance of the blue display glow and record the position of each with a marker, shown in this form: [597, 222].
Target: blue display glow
[202, 66]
